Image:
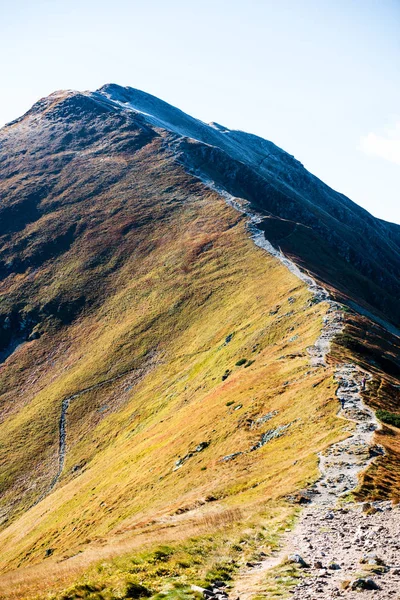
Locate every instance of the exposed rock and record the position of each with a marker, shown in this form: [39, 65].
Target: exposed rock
[376, 450]
[266, 417]
[364, 584]
[301, 497]
[270, 435]
[202, 446]
[296, 558]
[372, 559]
[76, 468]
[231, 456]
[199, 448]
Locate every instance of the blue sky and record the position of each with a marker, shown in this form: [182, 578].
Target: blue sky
[321, 79]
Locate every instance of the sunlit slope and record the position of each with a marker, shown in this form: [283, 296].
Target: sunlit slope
[136, 292]
[168, 317]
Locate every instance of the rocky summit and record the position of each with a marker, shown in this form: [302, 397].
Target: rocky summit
[199, 364]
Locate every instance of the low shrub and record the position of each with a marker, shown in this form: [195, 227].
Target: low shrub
[241, 362]
[226, 375]
[388, 417]
[220, 572]
[249, 363]
[136, 590]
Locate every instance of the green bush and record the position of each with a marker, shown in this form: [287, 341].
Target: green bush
[248, 363]
[388, 417]
[135, 590]
[226, 374]
[221, 571]
[241, 362]
[84, 591]
[161, 554]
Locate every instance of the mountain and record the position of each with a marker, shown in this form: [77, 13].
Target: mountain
[182, 306]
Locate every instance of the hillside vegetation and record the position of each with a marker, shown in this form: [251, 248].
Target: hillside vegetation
[134, 290]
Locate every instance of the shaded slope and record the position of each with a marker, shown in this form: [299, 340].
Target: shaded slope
[332, 249]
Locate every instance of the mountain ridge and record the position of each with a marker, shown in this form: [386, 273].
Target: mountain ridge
[165, 380]
[116, 96]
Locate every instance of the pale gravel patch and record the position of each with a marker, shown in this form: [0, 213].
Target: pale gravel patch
[345, 536]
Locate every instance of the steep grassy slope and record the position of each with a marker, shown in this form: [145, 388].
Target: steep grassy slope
[315, 226]
[337, 240]
[134, 288]
[171, 317]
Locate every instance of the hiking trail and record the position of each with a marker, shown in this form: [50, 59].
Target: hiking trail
[340, 464]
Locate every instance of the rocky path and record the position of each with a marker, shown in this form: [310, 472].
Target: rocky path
[342, 551]
[341, 463]
[349, 551]
[332, 540]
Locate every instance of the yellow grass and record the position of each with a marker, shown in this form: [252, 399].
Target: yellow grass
[195, 279]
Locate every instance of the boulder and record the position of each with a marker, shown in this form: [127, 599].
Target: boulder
[318, 565]
[364, 584]
[296, 558]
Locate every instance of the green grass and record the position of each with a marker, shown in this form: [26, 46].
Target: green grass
[241, 362]
[388, 417]
[168, 570]
[279, 582]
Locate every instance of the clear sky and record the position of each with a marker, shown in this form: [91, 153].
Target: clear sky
[320, 78]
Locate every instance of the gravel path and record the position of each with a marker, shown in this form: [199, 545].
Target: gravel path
[345, 545]
[341, 463]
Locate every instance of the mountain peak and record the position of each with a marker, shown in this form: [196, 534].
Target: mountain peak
[157, 112]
